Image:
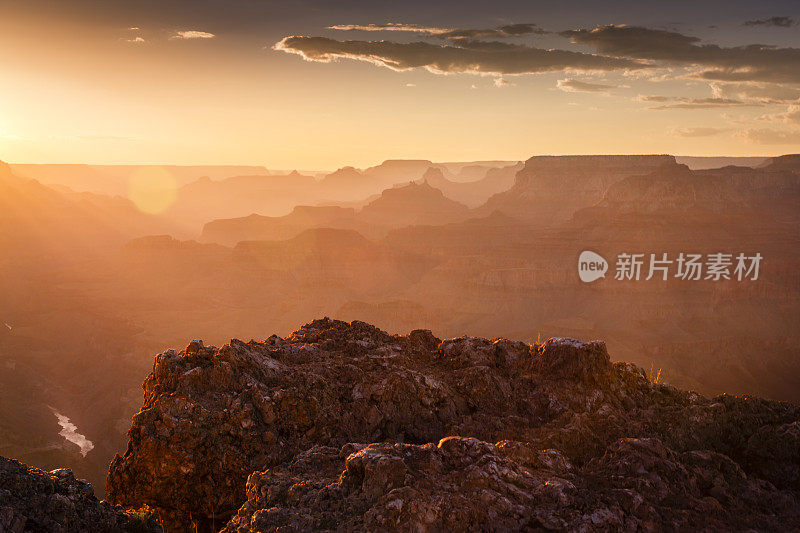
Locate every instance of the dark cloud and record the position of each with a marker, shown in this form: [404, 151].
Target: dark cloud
[510, 30]
[741, 63]
[617, 46]
[781, 22]
[463, 56]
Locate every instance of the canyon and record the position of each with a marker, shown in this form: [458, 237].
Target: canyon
[93, 287]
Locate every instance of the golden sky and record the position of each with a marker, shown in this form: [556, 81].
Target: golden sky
[318, 86]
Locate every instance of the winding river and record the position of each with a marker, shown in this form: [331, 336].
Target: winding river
[70, 432]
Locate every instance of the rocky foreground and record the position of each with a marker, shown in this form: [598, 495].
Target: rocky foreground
[38, 501]
[345, 427]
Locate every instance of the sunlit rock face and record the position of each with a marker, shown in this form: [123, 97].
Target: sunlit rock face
[343, 425]
[550, 188]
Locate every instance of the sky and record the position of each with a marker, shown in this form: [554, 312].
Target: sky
[323, 84]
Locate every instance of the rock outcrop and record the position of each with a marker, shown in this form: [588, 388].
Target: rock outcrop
[302, 412]
[789, 162]
[36, 220]
[205, 199]
[265, 228]
[396, 207]
[549, 189]
[331, 258]
[673, 188]
[464, 484]
[34, 500]
[475, 192]
[412, 204]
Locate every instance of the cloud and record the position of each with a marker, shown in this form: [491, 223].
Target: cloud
[702, 103]
[652, 98]
[572, 85]
[781, 22]
[769, 136]
[192, 34]
[754, 62]
[502, 82]
[391, 26]
[463, 56]
[790, 116]
[697, 132]
[135, 40]
[633, 50]
[652, 74]
[771, 94]
[685, 102]
[510, 30]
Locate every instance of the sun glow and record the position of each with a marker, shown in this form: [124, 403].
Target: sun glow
[152, 189]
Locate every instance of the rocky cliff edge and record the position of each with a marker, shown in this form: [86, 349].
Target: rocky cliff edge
[341, 426]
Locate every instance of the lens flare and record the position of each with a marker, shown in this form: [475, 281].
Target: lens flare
[152, 189]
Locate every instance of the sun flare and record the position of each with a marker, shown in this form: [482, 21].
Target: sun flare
[152, 189]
